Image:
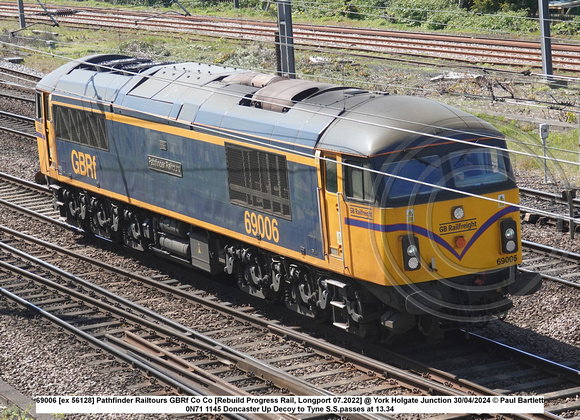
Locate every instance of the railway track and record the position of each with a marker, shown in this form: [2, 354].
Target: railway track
[564, 203]
[17, 124]
[90, 310]
[553, 264]
[9, 94]
[370, 42]
[280, 346]
[294, 352]
[21, 79]
[27, 197]
[507, 371]
[189, 362]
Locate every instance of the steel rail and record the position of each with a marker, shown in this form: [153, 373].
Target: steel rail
[29, 184]
[438, 383]
[400, 374]
[571, 256]
[37, 215]
[551, 251]
[17, 73]
[386, 369]
[18, 119]
[95, 342]
[552, 278]
[563, 371]
[179, 382]
[547, 196]
[326, 348]
[181, 293]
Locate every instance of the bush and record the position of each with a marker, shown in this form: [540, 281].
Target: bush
[501, 22]
[413, 12]
[442, 20]
[474, 15]
[570, 27]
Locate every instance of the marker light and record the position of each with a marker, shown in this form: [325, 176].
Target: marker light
[511, 246]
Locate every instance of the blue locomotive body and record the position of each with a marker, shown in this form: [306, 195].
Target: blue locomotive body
[169, 156]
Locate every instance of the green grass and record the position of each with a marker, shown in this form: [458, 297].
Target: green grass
[14, 413]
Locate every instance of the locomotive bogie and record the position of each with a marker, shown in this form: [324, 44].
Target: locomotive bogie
[324, 198]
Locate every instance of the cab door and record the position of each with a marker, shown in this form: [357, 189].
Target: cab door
[44, 138]
[330, 186]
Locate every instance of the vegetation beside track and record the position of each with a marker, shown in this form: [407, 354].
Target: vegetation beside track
[469, 16]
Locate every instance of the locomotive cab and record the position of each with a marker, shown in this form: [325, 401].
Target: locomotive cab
[435, 223]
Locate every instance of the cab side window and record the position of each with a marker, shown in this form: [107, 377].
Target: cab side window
[358, 181]
[38, 106]
[331, 176]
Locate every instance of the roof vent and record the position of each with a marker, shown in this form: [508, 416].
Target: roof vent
[282, 96]
[254, 79]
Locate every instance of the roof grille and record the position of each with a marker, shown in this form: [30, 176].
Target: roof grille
[120, 64]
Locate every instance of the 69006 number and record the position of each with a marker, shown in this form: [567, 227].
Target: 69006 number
[261, 226]
[507, 260]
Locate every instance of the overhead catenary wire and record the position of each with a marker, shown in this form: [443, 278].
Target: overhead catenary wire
[372, 85]
[375, 11]
[248, 22]
[487, 70]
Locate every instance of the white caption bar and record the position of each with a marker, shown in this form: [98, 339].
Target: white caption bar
[289, 405]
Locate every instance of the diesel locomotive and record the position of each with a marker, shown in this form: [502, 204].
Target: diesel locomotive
[378, 213]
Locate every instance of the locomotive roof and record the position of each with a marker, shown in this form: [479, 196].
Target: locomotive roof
[297, 114]
[390, 122]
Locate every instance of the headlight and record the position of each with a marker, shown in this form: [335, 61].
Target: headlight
[413, 263]
[458, 213]
[509, 233]
[411, 254]
[509, 238]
